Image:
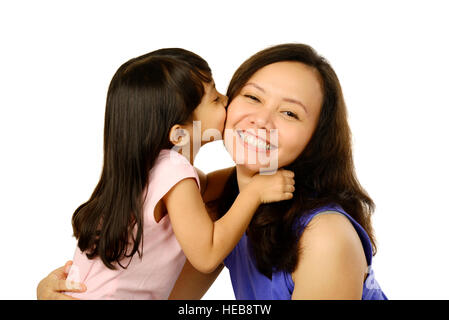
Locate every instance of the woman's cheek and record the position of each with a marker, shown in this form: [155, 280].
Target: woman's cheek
[289, 149]
[236, 112]
[230, 119]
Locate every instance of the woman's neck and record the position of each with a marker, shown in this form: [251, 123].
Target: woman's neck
[243, 176]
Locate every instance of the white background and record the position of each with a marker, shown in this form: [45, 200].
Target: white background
[57, 58]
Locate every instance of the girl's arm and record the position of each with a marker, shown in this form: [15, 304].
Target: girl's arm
[192, 284]
[203, 180]
[206, 243]
[332, 264]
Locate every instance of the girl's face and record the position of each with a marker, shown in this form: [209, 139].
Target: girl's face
[211, 112]
[284, 97]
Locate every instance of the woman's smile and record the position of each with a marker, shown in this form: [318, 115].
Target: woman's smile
[256, 141]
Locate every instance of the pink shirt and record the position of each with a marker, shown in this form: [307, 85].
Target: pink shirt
[153, 276]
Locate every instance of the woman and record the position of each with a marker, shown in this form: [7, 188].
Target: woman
[320, 244]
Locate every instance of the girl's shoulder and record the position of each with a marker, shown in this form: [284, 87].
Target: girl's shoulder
[169, 168]
[172, 159]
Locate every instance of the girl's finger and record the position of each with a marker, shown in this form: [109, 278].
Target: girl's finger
[289, 173]
[288, 195]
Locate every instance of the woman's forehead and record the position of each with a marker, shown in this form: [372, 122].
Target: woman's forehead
[288, 80]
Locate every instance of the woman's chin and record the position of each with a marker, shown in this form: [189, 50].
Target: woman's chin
[256, 168]
[251, 158]
[255, 163]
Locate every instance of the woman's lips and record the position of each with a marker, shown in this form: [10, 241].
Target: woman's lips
[255, 142]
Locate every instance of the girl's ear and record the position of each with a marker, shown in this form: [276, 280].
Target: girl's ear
[179, 136]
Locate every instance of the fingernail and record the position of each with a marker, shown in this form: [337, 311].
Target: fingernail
[79, 286]
[76, 286]
[72, 285]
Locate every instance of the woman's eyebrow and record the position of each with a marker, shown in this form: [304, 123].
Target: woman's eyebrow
[296, 102]
[255, 86]
[283, 99]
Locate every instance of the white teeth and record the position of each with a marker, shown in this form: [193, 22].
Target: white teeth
[252, 140]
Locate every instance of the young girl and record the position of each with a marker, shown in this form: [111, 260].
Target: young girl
[148, 201]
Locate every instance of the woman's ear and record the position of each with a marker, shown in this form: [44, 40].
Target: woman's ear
[179, 136]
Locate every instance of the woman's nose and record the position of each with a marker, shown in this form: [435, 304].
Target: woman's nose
[262, 118]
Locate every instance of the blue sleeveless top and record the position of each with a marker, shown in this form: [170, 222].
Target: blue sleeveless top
[249, 284]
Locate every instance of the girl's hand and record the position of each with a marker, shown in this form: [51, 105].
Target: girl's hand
[273, 188]
[53, 286]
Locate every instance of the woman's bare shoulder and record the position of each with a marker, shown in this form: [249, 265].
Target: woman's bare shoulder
[331, 262]
[329, 229]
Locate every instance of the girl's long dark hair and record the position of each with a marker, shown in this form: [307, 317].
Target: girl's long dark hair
[146, 97]
[324, 171]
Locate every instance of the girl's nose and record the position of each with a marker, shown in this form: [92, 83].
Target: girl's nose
[224, 99]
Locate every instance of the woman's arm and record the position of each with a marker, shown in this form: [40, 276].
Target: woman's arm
[55, 284]
[332, 265]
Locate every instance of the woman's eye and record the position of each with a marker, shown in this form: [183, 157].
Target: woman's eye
[252, 97]
[291, 114]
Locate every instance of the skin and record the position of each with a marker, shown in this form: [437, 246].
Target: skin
[212, 110]
[206, 242]
[332, 263]
[211, 113]
[284, 96]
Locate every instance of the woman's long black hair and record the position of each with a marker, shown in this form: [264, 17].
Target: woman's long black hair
[324, 171]
[146, 97]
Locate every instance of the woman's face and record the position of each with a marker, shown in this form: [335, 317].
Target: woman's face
[283, 97]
